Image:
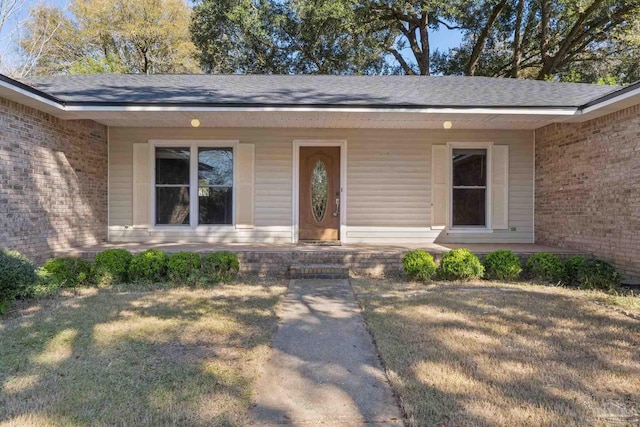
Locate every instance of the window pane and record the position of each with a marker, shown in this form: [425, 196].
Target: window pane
[215, 205]
[172, 205]
[469, 167]
[215, 166]
[172, 166]
[469, 207]
[319, 190]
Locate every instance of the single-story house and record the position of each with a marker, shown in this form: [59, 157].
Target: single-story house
[352, 159]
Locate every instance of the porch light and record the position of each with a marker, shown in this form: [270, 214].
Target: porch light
[447, 125]
[195, 123]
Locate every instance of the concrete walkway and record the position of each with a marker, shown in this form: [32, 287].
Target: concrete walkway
[323, 368]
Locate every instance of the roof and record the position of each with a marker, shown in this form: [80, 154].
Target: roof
[316, 90]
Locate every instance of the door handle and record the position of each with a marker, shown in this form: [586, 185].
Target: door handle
[337, 211]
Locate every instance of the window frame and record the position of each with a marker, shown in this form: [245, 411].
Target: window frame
[194, 146]
[470, 146]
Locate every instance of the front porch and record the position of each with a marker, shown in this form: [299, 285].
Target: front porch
[281, 259]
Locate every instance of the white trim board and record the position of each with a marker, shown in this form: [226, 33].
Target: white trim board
[295, 191]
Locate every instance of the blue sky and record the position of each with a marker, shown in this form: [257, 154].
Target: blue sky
[442, 39]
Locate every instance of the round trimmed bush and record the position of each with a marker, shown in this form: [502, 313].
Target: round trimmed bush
[571, 267]
[545, 267]
[502, 265]
[221, 266]
[460, 264]
[183, 267]
[598, 274]
[112, 265]
[419, 265]
[68, 272]
[17, 277]
[149, 266]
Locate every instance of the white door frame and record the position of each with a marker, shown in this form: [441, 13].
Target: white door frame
[295, 213]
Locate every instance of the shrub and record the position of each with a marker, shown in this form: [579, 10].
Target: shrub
[460, 264]
[112, 265]
[46, 284]
[545, 267]
[17, 277]
[68, 272]
[571, 267]
[221, 266]
[183, 267]
[598, 274]
[502, 265]
[419, 265]
[149, 266]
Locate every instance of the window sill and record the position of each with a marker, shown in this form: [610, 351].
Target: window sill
[199, 228]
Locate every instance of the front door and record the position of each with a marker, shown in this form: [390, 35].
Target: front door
[319, 193]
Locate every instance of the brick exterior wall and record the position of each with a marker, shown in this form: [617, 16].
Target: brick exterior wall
[588, 188]
[53, 181]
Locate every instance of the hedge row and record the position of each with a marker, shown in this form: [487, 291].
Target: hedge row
[19, 278]
[461, 264]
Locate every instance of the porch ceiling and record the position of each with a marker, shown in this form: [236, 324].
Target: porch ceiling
[333, 119]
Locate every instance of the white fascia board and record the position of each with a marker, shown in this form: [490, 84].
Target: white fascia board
[571, 111]
[627, 99]
[7, 89]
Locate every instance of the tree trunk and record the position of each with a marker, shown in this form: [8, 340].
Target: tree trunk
[517, 43]
[424, 64]
[545, 17]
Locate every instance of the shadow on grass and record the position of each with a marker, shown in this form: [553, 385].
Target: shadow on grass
[174, 357]
[492, 355]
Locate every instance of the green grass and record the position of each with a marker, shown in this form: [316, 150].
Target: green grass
[153, 357]
[496, 354]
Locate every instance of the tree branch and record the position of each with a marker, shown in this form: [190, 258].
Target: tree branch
[403, 63]
[482, 38]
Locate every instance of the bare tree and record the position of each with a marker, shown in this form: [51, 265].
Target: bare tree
[8, 8]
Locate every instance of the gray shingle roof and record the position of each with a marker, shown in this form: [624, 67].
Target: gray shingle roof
[379, 91]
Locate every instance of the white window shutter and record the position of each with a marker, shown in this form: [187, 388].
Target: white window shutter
[245, 175]
[500, 187]
[439, 185]
[141, 185]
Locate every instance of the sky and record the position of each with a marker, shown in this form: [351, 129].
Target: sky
[442, 39]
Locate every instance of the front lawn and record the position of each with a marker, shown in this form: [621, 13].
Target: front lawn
[492, 354]
[159, 357]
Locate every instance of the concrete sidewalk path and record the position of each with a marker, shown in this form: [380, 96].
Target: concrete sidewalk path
[323, 368]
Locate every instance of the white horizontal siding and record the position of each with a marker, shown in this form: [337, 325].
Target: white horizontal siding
[388, 182]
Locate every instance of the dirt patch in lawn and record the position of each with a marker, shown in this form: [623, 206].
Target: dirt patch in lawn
[491, 354]
[161, 357]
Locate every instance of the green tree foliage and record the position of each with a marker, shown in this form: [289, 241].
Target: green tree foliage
[265, 36]
[100, 36]
[567, 40]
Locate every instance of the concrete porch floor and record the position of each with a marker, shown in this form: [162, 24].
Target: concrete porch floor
[477, 248]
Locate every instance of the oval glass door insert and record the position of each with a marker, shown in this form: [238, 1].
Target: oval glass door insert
[319, 190]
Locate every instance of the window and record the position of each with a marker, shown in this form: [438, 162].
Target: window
[172, 185]
[215, 185]
[469, 192]
[193, 185]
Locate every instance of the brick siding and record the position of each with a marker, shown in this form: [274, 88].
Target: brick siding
[587, 194]
[53, 181]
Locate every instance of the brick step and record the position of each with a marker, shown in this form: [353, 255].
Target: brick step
[318, 271]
